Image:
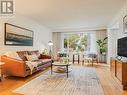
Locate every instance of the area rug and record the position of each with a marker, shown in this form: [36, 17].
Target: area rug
[81, 81]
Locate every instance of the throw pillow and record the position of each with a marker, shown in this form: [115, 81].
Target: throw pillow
[32, 57]
[36, 52]
[22, 55]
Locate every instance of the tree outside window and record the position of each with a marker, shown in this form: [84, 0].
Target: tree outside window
[76, 42]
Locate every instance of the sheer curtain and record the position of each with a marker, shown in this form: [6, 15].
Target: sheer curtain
[93, 44]
[56, 43]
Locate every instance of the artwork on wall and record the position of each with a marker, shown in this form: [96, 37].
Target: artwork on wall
[125, 24]
[18, 36]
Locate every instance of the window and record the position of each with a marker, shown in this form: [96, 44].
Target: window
[77, 41]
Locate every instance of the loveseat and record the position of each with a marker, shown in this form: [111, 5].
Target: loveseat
[17, 66]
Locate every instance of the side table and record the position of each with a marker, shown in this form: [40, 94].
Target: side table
[74, 58]
[1, 75]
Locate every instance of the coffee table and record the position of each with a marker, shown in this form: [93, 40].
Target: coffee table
[61, 65]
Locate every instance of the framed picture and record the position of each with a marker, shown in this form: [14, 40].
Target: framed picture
[125, 24]
[18, 36]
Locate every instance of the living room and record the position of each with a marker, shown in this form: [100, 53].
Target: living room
[67, 47]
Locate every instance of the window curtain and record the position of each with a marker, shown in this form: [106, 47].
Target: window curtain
[56, 43]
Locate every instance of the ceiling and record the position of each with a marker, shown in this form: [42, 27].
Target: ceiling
[61, 15]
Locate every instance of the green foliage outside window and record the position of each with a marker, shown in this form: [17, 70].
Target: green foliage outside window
[76, 42]
[83, 43]
[72, 39]
[65, 42]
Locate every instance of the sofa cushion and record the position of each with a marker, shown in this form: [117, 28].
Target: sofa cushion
[42, 61]
[34, 52]
[43, 56]
[39, 62]
[32, 57]
[22, 55]
[46, 60]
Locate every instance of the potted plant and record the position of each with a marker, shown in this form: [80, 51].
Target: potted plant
[65, 60]
[102, 45]
[45, 51]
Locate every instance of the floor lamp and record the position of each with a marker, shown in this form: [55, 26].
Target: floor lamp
[50, 44]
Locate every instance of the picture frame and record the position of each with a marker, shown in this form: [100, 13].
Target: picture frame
[17, 36]
[125, 24]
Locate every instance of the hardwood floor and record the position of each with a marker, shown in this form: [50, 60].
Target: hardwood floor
[110, 86]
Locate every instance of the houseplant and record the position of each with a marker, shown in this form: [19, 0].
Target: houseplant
[102, 45]
[65, 60]
[45, 51]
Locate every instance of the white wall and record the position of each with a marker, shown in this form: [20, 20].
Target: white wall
[41, 34]
[115, 31]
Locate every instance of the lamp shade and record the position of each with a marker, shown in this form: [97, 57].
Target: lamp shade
[50, 43]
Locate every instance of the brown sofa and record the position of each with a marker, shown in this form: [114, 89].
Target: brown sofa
[15, 67]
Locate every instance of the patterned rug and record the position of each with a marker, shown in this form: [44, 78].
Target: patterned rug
[81, 81]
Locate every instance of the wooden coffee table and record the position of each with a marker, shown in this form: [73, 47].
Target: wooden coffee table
[61, 65]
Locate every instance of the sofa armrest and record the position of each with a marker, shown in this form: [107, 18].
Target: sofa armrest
[13, 66]
[43, 56]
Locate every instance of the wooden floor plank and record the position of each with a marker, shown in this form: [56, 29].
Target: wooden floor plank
[110, 86]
